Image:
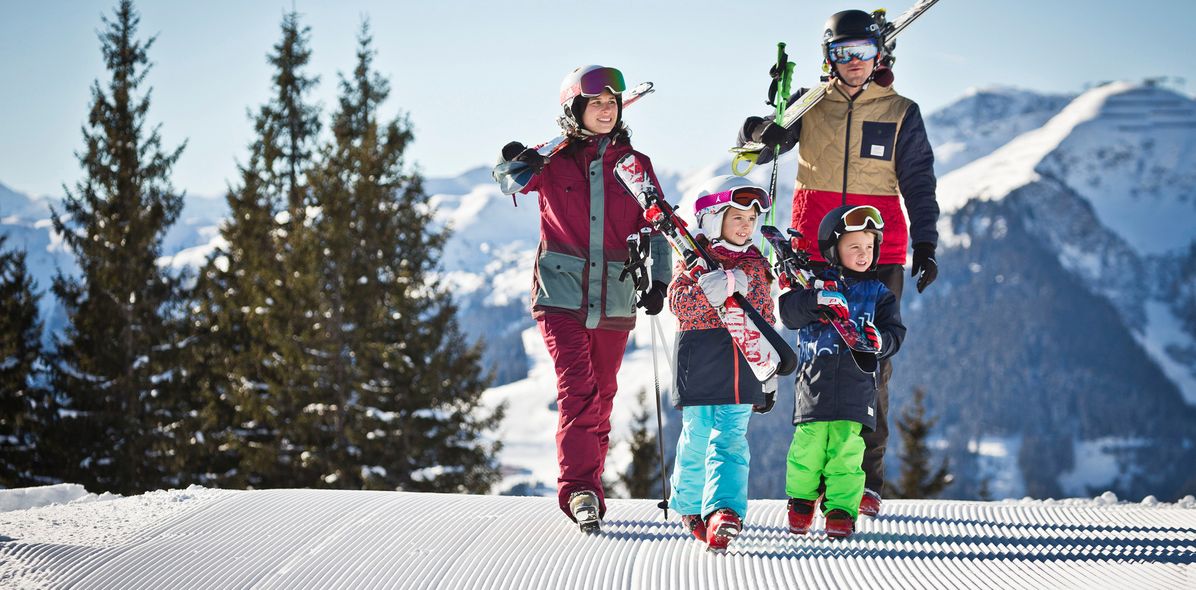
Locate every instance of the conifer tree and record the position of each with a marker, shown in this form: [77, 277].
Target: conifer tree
[256, 297]
[916, 480]
[113, 367]
[24, 404]
[399, 385]
[642, 477]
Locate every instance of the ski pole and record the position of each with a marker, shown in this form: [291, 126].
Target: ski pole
[783, 77]
[664, 491]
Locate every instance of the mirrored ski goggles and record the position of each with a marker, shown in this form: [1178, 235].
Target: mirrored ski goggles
[860, 218]
[593, 82]
[743, 198]
[843, 52]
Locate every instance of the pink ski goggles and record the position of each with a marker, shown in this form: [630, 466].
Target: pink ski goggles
[742, 198]
[593, 82]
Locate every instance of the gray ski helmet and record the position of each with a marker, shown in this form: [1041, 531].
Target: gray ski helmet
[841, 220]
[849, 24]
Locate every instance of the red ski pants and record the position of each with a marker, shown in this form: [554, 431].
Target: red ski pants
[587, 364]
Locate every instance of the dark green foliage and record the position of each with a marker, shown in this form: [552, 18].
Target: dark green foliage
[398, 387]
[115, 368]
[256, 298]
[24, 411]
[916, 479]
[642, 478]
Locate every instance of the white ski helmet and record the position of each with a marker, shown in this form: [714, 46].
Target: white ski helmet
[586, 82]
[724, 191]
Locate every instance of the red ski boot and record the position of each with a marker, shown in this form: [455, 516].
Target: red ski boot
[801, 514]
[694, 525]
[721, 527]
[870, 503]
[839, 524]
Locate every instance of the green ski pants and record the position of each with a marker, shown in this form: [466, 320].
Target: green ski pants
[831, 451]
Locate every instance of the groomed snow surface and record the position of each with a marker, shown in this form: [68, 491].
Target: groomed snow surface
[203, 538]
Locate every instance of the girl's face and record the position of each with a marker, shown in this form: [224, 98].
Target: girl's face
[601, 113]
[739, 225]
[855, 250]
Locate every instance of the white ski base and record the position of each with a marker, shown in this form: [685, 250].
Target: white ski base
[352, 539]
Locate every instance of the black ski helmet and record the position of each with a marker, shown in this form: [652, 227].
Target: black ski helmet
[849, 24]
[841, 220]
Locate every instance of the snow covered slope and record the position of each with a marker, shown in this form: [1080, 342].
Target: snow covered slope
[985, 119]
[298, 539]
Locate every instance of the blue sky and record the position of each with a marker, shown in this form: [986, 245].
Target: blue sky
[473, 75]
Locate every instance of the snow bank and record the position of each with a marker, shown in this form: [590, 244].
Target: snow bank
[63, 493]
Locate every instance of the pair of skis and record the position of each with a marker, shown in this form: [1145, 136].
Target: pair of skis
[750, 151]
[513, 176]
[765, 350]
[795, 265]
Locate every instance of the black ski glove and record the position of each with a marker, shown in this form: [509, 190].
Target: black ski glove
[653, 300]
[517, 152]
[924, 263]
[769, 133]
[770, 396]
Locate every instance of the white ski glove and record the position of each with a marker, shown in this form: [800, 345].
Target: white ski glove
[718, 285]
[831, 306]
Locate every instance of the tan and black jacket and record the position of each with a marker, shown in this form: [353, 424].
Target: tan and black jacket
[870, 150]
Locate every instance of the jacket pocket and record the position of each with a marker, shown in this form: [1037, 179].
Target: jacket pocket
[560, 280]
[878, 140]
[620, 295]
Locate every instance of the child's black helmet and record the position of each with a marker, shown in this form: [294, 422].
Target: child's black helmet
[845, 219]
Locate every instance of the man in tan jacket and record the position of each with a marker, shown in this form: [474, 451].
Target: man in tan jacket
[862, 144]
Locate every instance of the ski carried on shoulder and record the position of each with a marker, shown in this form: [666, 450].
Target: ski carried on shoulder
[513, 176]
[750, 151]
[795, 265]
[764, 349]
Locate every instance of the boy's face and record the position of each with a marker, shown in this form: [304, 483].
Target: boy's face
[738, 225]
[855, 250]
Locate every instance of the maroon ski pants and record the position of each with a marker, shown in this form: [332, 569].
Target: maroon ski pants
[587, 363]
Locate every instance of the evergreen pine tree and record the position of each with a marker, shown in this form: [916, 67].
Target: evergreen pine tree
[642, 477]
[114, 365]
[24, 404]
[399, 404]
[916, 480]
[256, 297]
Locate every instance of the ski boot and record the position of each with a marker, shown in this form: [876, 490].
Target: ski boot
[839, 524]
[584, 507]
[801, 514]
[695, 526]
[721, 527]
[870, 503]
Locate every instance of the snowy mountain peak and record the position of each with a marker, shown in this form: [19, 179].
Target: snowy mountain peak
[1118, 144]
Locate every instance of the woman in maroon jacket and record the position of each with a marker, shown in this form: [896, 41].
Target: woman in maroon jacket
[584, 312]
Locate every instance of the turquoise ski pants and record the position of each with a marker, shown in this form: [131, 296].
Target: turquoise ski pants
[831, 451]
[711, 470]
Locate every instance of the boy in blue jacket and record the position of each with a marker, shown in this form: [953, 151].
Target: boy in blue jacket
[836, 387]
